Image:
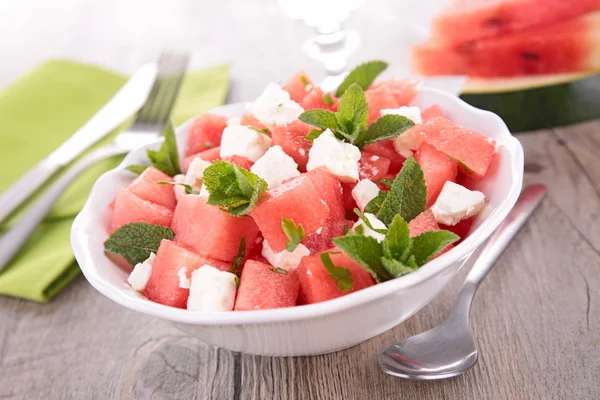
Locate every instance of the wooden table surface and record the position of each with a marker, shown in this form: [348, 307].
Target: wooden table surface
[535, 317]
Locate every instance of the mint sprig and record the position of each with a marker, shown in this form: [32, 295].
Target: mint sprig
[263, 131]
[137, 240]
[236, 266]
[313, 134]
[328, 99]
[188, 189]
[278, 270]
[233, 188]
[293, 232]
[363, 76]
[166, 159]
[341, 276]
[136, 168]
[364, 219]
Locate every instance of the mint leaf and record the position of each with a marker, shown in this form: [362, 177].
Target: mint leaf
[374, 205]
[278, 271]
[397, 243]
[386, 182]
[341, 276]
[263, 131]
[188, 188]
[363, 76]
[364, 219]
[387, 127]
[397, 268]
[366, 251]
[136, 169]
[166, 159]
[232, 187]
[353, 111]
[428, 244]
[320, 118]
[239, 258]
[313, 134]
[327, 99]
[137, 240]
[294, 233]
[407, 196]
[304, 80]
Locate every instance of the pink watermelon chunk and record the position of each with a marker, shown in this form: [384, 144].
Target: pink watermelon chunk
[210, 231]
[462, 229]
[432, 112]
[292, 139]
[297, 87]
[297, 199]
[130, 208]
[404, 90]
[261, 288]
[473, 151]
[437, 169]
[349, 202]
[386, 149]
[380, 97]
[372, 166]
[251, 120]
[205, 133]
[425, 222]
[314, 99]
[207, 155]
[316, 285]
[145, 187]
[240, 161]
[163, 285]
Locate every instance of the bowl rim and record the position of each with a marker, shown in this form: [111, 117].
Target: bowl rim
[429, 270]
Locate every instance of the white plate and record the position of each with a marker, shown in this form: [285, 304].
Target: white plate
[317, 328]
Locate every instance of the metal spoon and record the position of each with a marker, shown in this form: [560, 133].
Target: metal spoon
[449, 349]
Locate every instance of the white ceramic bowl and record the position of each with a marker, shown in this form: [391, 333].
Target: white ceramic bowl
[317, 328]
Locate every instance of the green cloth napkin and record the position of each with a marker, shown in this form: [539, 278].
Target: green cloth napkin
[38, 112]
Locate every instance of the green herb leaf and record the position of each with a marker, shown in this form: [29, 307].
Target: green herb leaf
[232, 187]
[374, 205]
[136, 169]
[313, 134]
[279, 270]
[304, 80]
[166, 159]
[397, 243]
[366, 251]
[407, 196]
[353, 111]
[137, 240]
[428, 244]
[387, 127]
[363, 76]
[320, 118]
[327, 99]
[294, 233]
[397, 268]
[239, 258]
[188, 188]
[364, 219]
[386, 182]
[341, 276]
[263, 131]
[237, 281]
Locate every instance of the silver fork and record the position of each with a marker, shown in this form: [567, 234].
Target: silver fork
[149, 123]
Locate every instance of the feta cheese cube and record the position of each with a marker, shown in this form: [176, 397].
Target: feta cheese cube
[412, 113]
[204, 192]
[455, 203]
[242, 141]
[178, 189]
[274, 107]
[234, 121]
[409, 140]
[195, 172]
[211, 290]
[285, 259]
[275, 166]
[184, 281]
[364, 192]
[141, 273]
[366, 231]
[335, 156]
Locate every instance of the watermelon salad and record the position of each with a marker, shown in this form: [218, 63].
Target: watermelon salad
[306, 197]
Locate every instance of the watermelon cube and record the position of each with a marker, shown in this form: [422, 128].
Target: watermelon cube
[462, 228]
[372, 166]
[129, 208]
[298, 86]
[385, 149]
[437, 169]
[163, 285]
[210, 231]
[251, 120]
[379, 98]
[322, 239]
[404, 90]
[473, 151]
[145, 187]
[240, 161]
[292, 139]
[432, 112]
[315, 99]
[425, 222]
[349, 202]
[317, 285]
[207, 155]
[205, 133]
[262, 288]
[297, 199]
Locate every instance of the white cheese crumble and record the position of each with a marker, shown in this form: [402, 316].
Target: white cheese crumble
[204, 192]
[364, 192]
[184, 281]
[141, 273]
[455, 203]
[375, 223]
[412, 113]
[275, 167]
[242, 141]
[274, 107]
[234, 121]
[409, 140]
[285, 259]
[178, 189]
[335, 156]
[211, 290]
[195, 173]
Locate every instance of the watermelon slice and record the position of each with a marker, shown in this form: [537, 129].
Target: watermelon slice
[145, 187]
[568, 46]
[210, 231]
[130, 208]
[251, 120]
[466, 20]
[297, 199]
[205, 133]
[316, 285]
[262, 288]
[292, 139]
[349, 202]
[437, 169]
[473, 151]
[163, 285]
[239, 160]
[425, 222]
[386, 149]
[298, 86]
[207, 155]
[380, 97]
[372, 166]
[404, 90]
[432, 112]
[315, 99]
